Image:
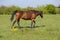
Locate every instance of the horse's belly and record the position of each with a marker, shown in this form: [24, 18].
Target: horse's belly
[26, 17]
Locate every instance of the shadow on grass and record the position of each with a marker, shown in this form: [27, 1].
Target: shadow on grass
[1, 36]
[29, 26]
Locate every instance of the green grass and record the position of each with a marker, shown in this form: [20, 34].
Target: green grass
[49, 29]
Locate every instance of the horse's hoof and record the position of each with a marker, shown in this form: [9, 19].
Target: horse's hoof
[19, 27]
[31, 27]
[14, 29]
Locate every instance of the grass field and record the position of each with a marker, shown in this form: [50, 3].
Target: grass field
[49, 29]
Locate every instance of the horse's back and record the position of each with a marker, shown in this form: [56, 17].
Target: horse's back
[26, 14]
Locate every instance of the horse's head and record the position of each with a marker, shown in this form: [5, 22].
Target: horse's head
[40, 13]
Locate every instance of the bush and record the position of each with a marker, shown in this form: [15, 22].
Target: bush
[50, 9]
[8, 10]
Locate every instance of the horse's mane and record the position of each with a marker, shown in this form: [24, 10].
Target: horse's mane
[35, 11]
[28, 10]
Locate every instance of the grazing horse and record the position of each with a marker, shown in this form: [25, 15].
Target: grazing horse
[26, 15]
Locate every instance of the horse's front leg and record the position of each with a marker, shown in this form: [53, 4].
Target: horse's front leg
[18, 23]
[34, 23]
[31, 24]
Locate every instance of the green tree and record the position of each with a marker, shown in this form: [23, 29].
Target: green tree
[8, 10]
[28, 8]
[13, 8]
[50, 9]
[40, 8]
[3, 9]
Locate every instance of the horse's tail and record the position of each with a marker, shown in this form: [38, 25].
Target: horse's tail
[12, 16]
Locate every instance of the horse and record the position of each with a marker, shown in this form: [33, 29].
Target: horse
[26, 15]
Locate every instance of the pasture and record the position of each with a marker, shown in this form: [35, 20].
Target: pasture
[47, 28]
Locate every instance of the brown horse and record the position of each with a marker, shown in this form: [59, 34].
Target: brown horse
[26, 15]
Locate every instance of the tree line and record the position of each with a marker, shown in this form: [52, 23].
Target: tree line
[48, 9]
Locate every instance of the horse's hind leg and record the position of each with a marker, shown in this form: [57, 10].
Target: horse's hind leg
[18, 23]
[13, 23]
[32, 23]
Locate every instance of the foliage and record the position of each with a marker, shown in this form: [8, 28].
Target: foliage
[8, 10]
[48, 9]
[28, 8]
